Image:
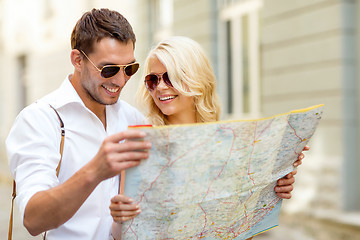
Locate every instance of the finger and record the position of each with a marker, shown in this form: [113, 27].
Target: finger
[121, 216]
[288, 176]
[123, 219]
[285, 181]
[123, 209]
[306, 148]
[122, 198]
[125, 213]
[298, 162]
[131, 145]
[127, 156]
[122, 165]
[127, 134]
[284, 195]
[284, 189]
[114, 163]
[126, 146]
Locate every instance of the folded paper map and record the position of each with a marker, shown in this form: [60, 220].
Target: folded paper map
[215, 180]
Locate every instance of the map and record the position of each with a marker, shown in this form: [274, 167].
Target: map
[215, 180]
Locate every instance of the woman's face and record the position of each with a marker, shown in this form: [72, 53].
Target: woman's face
[178, 108]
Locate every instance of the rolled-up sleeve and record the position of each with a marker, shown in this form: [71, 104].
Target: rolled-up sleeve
[33, 152]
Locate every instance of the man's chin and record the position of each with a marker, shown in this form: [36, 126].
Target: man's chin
[108, 101]
[112, 102]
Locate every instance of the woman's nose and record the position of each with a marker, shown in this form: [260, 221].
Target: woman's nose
[162, 84]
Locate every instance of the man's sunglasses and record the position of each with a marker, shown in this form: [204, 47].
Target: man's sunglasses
[153, 80]
[111, 70]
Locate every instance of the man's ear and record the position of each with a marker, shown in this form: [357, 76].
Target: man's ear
[76, 59]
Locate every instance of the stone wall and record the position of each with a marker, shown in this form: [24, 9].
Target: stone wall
[309, 54]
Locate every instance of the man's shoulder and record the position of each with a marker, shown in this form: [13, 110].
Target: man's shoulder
[40, 108]
[59, 96]
[41, 104]
[37, 111]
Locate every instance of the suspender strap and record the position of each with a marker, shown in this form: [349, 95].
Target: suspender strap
[12, 212]
[62, 127]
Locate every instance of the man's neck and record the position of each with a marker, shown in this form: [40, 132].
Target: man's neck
[98, 109]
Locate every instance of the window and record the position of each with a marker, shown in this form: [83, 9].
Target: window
[21, 82]
[161, 19]
[239, 58]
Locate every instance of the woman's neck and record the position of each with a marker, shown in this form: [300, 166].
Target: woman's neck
[182, 119]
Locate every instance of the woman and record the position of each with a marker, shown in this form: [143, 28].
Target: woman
[190, 96]
[180, 87]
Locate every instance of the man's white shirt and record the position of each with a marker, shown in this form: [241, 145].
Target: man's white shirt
[33, 147]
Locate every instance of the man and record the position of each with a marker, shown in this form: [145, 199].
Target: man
[98, 146]
[75, 205]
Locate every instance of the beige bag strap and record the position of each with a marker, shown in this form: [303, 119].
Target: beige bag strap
[62, 127]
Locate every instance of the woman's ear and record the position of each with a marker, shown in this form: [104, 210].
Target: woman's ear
[76, 59]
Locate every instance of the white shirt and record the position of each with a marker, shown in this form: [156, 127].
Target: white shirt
[33, 147]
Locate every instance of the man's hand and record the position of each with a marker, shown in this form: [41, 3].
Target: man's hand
[120, 151]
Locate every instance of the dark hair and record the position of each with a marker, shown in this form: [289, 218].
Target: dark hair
[97, 24]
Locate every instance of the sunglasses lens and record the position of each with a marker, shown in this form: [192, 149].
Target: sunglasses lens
[151, 81]
[131, 69]
[166, 79]
[109, 71]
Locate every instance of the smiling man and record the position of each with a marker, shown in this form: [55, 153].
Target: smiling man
[75, 204]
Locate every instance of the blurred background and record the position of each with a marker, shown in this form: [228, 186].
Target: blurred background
[269, 56]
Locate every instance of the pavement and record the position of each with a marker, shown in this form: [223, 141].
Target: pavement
[283, 232]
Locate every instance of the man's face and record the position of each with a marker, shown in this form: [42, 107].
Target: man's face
[96, 89]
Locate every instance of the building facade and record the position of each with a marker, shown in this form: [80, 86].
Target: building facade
[269, 56]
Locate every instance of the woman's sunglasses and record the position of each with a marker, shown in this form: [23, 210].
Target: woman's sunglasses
[111, 70]
[153, 80]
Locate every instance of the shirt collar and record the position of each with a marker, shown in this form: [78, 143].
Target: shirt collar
[66, 94]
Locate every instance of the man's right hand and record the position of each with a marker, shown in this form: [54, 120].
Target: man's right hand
[120, 151]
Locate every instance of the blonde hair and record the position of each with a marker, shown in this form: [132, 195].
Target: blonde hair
[190, 73]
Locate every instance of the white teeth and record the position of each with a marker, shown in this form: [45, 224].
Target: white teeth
[113, 90]
[166, 98]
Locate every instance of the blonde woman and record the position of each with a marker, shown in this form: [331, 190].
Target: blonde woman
[180, 87]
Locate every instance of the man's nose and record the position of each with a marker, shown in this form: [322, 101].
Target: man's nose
[120, 78]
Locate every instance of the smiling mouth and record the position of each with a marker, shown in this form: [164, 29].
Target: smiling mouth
[112, 90]
[167, 98]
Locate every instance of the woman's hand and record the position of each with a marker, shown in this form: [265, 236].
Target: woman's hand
[122, 208]
[285, 185]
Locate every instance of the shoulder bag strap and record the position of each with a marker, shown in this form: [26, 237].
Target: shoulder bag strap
[62, 127]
